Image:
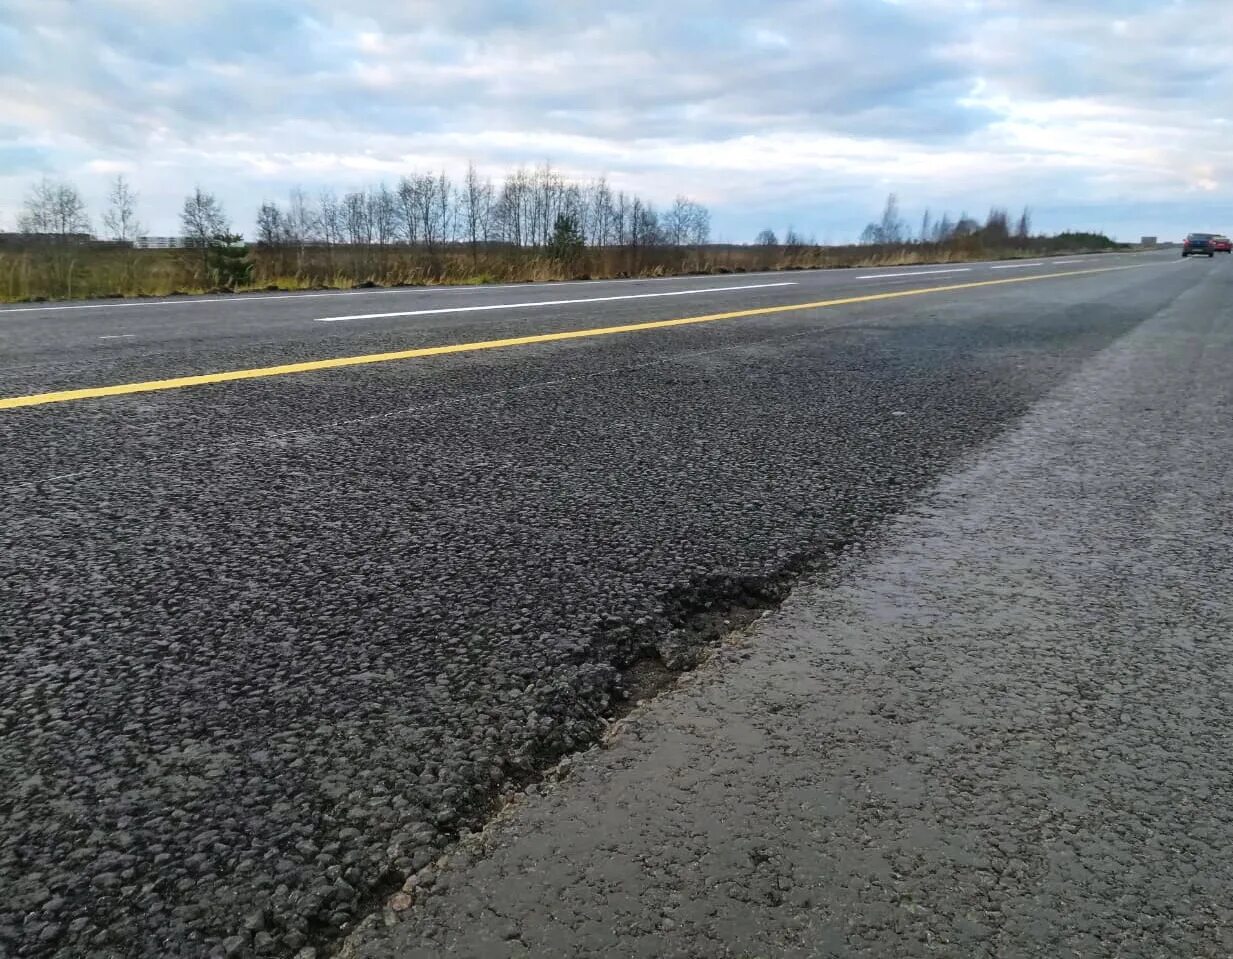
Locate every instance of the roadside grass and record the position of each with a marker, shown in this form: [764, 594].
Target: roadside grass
[35, 274]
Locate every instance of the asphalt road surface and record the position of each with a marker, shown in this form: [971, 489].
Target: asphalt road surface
[1001, 730]
[275, 633]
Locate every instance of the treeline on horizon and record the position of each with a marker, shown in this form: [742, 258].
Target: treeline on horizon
[426, 228]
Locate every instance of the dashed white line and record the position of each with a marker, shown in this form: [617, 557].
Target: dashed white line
[1015, 266]
[253, 297]
[891, 276]
[524, 306]
[121, 303]
[116, 336]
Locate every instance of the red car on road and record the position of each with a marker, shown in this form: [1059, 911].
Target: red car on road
[1222, 244]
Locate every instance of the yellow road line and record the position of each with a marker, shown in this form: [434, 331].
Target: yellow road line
[334, 363]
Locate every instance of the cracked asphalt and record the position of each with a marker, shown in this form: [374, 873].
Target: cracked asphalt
[273, 645]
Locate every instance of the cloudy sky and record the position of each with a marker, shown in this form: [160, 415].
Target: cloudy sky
[1113, 114]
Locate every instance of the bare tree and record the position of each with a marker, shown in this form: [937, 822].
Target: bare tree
[699, 225]
[423, 206]
[621, 219]
[767, 238]
[512, 208]
[330, 222]
[36, 214]
[270, 227]
[794, 242]
[944, 229]
[303, 223]
[926, 227]
[601, 216]
[891, 229]
[643, 224]
[1024, 229]
[407, 199]
[383, 214]
[203, 220]
[476, 208]
[55, 210]
[547, 201]
[120, 218]
[444, 209]
[676, 221]
[355, 218]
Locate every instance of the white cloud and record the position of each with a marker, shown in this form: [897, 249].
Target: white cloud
[794, 110]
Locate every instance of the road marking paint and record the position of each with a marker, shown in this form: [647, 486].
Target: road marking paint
[339, 362]
[1063, 262]
[891, 276]
[485, 307]
[116, 336]
[1015, 266]
[122, 303]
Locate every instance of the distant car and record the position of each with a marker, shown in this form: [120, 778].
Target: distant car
[1199, 243]
[1222, 244]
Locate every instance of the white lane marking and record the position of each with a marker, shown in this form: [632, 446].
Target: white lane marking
[891, 276]
[1015, 266]
[1062, 262]
[250, 297]
[116, 336]
[525, 306]
[124, 304]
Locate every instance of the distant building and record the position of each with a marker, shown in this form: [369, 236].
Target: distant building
[161, 242]
[1147, 241]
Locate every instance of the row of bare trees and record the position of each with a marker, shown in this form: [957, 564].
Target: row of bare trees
[525, 210]
[56, 210]
[893, 230]
[422, 209]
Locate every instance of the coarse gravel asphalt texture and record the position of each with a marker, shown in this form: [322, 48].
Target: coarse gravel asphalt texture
[1001, 730]
[270, 645]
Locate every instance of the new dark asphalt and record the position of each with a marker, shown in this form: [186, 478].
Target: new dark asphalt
[270, 644]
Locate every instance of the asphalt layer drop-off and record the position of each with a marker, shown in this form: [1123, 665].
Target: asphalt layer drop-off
[271, 644]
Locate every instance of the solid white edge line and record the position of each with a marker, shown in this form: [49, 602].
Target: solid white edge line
[1016, 266]
[889, 276]
[122, 303]
[521, 306]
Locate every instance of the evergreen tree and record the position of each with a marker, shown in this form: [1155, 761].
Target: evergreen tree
[228, 260]
[567, 241]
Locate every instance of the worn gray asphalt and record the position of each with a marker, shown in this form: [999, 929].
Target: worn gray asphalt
[1004, 732]
[270, 644]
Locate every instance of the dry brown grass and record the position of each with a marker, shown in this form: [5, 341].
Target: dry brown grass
[94, 272]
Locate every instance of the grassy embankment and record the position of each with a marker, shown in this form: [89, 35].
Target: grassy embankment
[79, 272]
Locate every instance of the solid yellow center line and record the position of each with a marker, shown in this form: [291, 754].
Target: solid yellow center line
[339, 362]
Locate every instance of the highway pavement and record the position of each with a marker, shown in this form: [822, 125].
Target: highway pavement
[296, 587]
[1000, 730]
